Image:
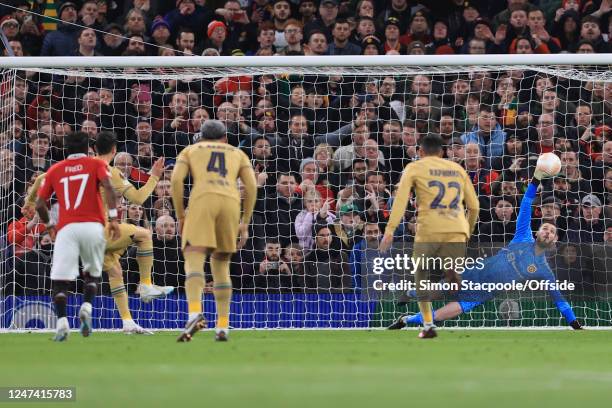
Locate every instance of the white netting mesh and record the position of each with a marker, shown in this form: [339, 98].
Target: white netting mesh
[317, 133]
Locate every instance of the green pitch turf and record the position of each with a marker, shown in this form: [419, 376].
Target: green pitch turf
[375, 369]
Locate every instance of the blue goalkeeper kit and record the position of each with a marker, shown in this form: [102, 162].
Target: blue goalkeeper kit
[517, 262]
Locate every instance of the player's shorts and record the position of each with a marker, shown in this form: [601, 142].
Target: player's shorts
[449, 245]
[115, 249]
[434, 248]
[83, 240]
[212, 222]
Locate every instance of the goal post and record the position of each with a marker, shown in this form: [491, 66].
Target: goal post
[331, 132]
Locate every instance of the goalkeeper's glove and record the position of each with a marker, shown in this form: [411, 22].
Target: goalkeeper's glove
[576, 325]
[538, 174]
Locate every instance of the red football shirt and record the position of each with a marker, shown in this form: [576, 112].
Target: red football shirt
[76, 183]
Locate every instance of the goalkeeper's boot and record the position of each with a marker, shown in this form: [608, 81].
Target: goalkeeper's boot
[63, 329]
[149, 292]
[131, 327]
[221, 334]
[428, 333]
[193, 326]
[399, 323]
[85, 317]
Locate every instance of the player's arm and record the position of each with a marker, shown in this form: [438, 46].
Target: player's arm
[32, 192]
[139, 195]
[563, 305]
[400, 202]
[43, 193]
[399, 208]
[136, 195]
[104, 177]
[177, 182]
[247, 177]
[523, 221]
[472, 205]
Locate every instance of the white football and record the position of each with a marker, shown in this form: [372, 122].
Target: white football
[549, 164]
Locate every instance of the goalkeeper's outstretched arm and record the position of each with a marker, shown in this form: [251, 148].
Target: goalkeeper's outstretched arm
[523, 222]
[562, 305]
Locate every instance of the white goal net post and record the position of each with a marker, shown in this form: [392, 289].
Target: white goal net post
[335, 130]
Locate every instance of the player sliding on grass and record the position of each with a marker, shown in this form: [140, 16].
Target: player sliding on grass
[213, 221]
[442, 187]
[523, 259]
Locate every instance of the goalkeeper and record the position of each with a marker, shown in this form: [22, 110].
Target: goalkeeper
[523, 259]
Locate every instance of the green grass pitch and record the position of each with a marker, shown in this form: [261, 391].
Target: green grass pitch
[376, 369]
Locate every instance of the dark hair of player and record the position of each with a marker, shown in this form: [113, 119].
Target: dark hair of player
[77, 142]
[213, 130]
[431, 144]
[105, 142]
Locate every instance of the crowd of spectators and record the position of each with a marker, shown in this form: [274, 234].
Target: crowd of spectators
[327, 150]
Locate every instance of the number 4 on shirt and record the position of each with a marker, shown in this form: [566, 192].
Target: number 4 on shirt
[216, 164]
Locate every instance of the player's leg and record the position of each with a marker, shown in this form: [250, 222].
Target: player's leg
[91, 249]
[64, 270]
[199, 240]
[424, 249]
[226, 231]
[117, 286]
[195, 257]
[143, 239]
[448, 311]
[222, 289]
[60, 290]
[90, 290]
[112, 267]
[114, 251]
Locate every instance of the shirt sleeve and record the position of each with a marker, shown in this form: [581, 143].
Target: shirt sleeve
[133, 194]
[523, 222]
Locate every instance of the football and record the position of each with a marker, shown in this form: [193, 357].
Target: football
[549, 164]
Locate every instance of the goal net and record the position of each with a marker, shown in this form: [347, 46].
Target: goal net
[328, 139]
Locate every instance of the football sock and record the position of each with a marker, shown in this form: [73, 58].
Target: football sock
[194, 280]
[144, 257]
[120, 296]
[417, 318]
[222, 289]
[426, 311]
[60, 289]
[90, 290]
